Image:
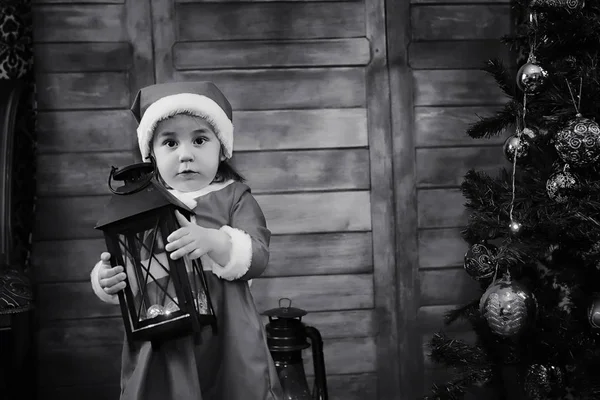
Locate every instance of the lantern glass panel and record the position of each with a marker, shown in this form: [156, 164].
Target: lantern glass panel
[153, 276]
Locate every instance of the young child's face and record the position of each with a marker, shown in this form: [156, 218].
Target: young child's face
[187, 152]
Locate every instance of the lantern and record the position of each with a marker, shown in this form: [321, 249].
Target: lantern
[164, 298]
[286, 338]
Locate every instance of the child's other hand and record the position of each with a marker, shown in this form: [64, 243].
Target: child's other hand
[190, 239]
[111, 280]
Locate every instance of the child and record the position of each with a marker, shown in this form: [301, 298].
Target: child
[187, 128]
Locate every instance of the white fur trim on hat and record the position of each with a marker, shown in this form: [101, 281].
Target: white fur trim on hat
[181, 103]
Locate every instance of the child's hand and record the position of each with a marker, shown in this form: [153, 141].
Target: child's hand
[111, 280]
[190, 239]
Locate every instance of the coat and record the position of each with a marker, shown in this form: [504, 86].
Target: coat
[234, 364]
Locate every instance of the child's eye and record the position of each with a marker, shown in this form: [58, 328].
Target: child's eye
[200, 140]
[169, 143]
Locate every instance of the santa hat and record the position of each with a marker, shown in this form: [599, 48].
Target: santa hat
[158, 102]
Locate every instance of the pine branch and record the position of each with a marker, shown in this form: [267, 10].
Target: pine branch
[456, 353]
[468, 312]
[495, 125]
[505, 81]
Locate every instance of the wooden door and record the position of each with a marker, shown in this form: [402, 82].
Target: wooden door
[308, 82]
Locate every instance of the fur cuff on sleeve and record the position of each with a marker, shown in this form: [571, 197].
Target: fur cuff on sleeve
[240, 256]
[102, 295]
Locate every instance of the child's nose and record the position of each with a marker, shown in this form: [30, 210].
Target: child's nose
[185, 154]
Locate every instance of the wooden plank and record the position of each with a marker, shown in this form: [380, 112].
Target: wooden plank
[441, 248]
[316, 254]
[110, 331]
[79, 23]
[340, 387]
[300, 129]
[139, 34]
[164, 26]
[456, 22]
[316, 293]
[82, 57]
[441, 208]
[287, 88]
[312, 293]
[289, 171]
[447, 286]
[113, 130]
[71, 174]
[95, 90]
[85, 131]
[447, 126]
[455, 54]
[251, 21]
[291, 255]
[345, 356]
[285, 214]
[389, 346]
[268, 54]
[431, 319]
[438, 167]
[100, 365]
[409, 374]
[456, 87]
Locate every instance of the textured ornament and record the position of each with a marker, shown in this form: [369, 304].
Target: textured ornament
[531, 77]
[594, 312]
[514, 145]
[154, 311]
[530, 133]
[569, 5]
[578, 143]
[172, 306]
[541, 380]
[508, 307]
[480, 262]
[559, 185]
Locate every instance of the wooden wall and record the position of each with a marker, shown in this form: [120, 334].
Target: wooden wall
[308, 83]
[450, 41]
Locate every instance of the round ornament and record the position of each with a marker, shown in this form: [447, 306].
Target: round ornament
[515, 146]
[578, 143]
[480, 262]
[569, 5]
[531, 77]
[508, 307]
[594, 312]
[559, 184]
[541, 380]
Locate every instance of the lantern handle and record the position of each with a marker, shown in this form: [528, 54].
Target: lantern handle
[289, 302]
[139, 188]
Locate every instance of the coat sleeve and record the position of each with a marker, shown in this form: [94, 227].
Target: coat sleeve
[250, 239]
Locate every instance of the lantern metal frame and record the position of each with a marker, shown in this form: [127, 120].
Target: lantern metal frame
[123, 244]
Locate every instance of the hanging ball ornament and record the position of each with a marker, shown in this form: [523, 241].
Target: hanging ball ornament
[531, 77]
[541, 380]
[559, 185]
[515, 146]
[594, 312]
[507, 306]
[578, 143]
[569, 5]
[480, 261]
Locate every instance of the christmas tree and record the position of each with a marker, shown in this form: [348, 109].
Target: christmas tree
[534, 227]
